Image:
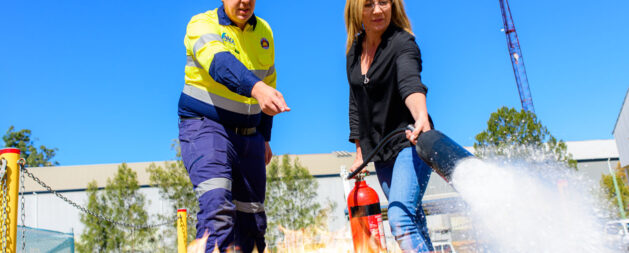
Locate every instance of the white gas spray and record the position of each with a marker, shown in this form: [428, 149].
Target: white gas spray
[531, 206]
[523, 201]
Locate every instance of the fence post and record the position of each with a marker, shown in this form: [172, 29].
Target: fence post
[182, 230]
[11, 155]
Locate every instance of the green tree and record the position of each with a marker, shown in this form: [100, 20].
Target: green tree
[122, 202]
[174, 185]
[94, 237]
[290, 199]
[519, 133]
[607, 184]
[35, 157]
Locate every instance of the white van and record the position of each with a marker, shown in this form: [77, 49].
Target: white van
[443, 247]
[617, 234]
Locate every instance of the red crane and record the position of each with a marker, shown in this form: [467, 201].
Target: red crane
[516, 57]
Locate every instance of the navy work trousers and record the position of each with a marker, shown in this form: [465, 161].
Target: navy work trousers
[228, 173]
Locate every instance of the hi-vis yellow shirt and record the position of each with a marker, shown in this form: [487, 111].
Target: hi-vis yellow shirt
[223, 63]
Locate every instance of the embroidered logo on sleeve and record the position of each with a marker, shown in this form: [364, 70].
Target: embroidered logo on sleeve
[264, 43]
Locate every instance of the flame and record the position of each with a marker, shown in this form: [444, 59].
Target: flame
[198, 246]
[315, 240]
[308, 240]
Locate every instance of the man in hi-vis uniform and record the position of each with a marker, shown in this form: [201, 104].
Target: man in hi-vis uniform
[226, 111]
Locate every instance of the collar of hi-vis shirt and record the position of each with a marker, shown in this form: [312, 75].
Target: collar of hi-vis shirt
[223, 19]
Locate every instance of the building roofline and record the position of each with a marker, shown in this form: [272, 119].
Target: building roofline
[322, 165]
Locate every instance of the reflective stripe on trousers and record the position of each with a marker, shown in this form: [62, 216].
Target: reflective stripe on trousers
[211, 184]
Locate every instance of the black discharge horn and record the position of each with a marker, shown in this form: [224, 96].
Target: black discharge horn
[436, 149]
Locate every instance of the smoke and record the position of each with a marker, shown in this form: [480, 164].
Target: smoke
[532, 205]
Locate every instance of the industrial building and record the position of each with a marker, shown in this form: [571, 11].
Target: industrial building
[46, 211]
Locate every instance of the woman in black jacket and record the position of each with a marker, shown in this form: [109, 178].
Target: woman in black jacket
[386, 93]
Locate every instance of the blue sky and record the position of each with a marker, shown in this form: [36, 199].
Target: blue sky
[100, 80]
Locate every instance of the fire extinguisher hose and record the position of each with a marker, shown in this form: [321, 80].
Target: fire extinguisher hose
[373, 153]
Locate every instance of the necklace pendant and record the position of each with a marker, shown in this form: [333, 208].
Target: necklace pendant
[366, 80]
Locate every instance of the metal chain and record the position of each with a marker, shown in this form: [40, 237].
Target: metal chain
[21, 162]
[5, 215]
[3, 167]
[85, 210]
[4, 209]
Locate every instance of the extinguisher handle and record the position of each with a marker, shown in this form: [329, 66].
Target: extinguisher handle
[373, 153]
[358, 170]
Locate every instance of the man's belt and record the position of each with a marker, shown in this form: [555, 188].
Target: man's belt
[244, 131]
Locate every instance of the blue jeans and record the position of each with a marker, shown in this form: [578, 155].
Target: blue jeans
[404, 182]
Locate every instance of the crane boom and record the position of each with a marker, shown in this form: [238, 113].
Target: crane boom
[517, 61]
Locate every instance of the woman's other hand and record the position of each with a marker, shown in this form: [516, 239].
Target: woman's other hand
[357, 162]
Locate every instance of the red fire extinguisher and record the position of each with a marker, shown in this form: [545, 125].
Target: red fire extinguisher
[365, 219]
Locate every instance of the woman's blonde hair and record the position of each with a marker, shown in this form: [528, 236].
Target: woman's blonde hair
[354, 18]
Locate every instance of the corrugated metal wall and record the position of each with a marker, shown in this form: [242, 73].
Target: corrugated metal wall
[621, 132]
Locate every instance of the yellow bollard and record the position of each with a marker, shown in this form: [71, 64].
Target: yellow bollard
[182, 230]
[11, 155]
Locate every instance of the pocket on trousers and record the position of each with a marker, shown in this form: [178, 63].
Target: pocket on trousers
[261, 222]
[214, 135]
[205, 142]
[188, 129]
